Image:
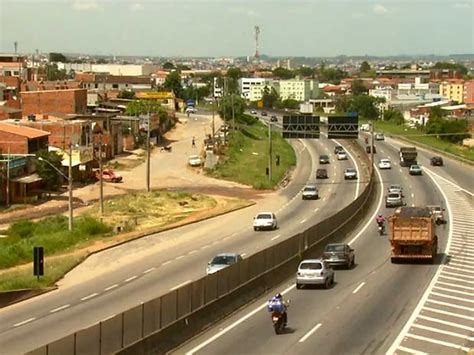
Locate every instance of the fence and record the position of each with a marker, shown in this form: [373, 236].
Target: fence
[162, 323]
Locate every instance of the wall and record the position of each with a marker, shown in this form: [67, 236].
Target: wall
[54, 101]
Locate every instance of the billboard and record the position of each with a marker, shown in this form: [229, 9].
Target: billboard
[301, 126]
[344, 126]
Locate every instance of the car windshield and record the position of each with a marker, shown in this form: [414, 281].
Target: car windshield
[311, 266]
[193, 157]
[350, 170]
[310, 188]
[331, 248]
[395, 187]
[321, 171]
[415, 167]
[323, 157]
[222, 260]
[393, 195]
[385, 161]
[264, 216]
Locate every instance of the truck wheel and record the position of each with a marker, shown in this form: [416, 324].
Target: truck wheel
[327, 283]
[394, 260]
[298, 286]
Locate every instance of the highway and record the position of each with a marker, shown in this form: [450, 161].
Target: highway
[367, 310]
[146, 268]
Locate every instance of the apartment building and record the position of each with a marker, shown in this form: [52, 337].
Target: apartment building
[296, 89]
[251, 89]
[452, 90]
[54, 101]
[385, 92]
[469, 92]
[418, 88]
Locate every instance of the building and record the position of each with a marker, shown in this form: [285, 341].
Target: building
[417, 88]
[251, 89]
[68, 101]
[385, 92]
[296, 89]
[112, 69]
[469, 92]
[452, 90]
[17, 139]
[13, 65]
[106, 82]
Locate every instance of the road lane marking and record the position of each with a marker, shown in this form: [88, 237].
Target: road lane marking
[59, 308]
[243, 254]
[452, 297]
[359, 287]
[454, 291]
[276, 237]
[356, 167]
[179, 257]
[167, 262]
[452, 305]
[451, 324]
[89, 297]
[307, 335]
[370, 220]
[411, 351]
[233, 325]
[316, 209]
[434, 310]
[302, 221]
[24, 322]
[412, 195]
[439, 342]
[455, 278]
[462, 265]
[131, 278]
[110, 287]
[205, 246]
[149, 270]
[180, 285]
[193, 251]
[455, 285]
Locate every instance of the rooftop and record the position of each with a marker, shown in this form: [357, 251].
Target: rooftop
[22, 131]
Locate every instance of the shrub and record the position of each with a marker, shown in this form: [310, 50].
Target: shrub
[52, 225]
[90, 226]
[23, 229]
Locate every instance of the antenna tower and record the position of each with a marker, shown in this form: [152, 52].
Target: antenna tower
[257, 34]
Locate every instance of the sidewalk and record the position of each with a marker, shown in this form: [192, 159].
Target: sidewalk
[169, 170]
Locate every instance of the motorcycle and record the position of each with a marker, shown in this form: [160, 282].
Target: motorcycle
[277, 319]
[381, 229]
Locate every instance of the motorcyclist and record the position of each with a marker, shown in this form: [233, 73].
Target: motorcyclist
[276, 304]
[366, 140]
[380, 219]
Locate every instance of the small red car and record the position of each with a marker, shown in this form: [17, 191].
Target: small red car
[109, 175]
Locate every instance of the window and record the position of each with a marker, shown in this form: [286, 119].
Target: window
[114, 86]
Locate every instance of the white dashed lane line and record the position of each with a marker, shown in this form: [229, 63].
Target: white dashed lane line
[131, 278]
[307, 335]
[89, 297]
[59, 308]
[24, 322]
[167, 262]
[276, 237]
[302, 221]
[111, 287]
[359, 287]
[149, 270]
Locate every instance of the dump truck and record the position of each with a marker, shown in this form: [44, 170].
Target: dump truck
[412, 234]
[408, 156]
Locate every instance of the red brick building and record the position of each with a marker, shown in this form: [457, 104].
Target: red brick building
[15, 139]
[54, 101]
[469, 92]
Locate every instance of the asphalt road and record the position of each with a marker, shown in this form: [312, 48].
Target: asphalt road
[367, 309]
[146, 268]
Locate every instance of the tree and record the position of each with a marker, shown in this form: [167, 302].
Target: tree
[330, 75]
[226, 106]
[234, 73]
[453, 131]
[394, 115]
[126, 94]
[288, 103]
[283, 73]
[173, 83]
[453, 66]
[168, 66]
[57, 57]
[358, 87]
[306, 71]
[142, 107]
[366, 106]
[342, 103]
[269, 97]
[53, 73]
[364, 67]
[52, 180]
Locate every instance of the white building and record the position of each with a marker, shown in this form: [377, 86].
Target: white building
[218, 90]
[296, 89]
[252, 88]
[113, 69]
[385, 92]
[418, 88]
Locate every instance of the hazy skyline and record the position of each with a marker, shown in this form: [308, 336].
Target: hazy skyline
[226, 27]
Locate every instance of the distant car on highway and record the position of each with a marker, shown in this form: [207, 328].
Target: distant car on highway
[194, 160]
[221, 261]
[395, 188]
[273, 118]
[265, 220]
[314, 272]
[310, 192]
[438, 213]
[253, 112]
[263, 113]
[338, 148]
[415, 169]
[368, 149]
[436, 161]
[321, 174]
[339, 254]
[385, 164]
[350, 174]
[379, 137]
[324, 159]
[341, 155]
[394, 199]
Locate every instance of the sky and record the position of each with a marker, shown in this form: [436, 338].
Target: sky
[215, 28]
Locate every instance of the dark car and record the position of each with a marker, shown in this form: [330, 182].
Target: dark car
[339, 254]
[436, 161]
[323, 159]
[321, 174]
[338, 148]
[264, 113]
[273, 119]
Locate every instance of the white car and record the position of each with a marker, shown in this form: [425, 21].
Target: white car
[222, 261]
[350, 174]
[253, 112]
[341, 155]
[314, 272]
[265, 220]
[385, 164]
[379, 137]
[195, 160]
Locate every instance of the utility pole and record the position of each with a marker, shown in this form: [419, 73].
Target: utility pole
[213, 114]
[233, 111]
[101, 180]
[70, 187]
[7, 190]
[223, 108]
[269, 151]
[371, 147]
[148, 154]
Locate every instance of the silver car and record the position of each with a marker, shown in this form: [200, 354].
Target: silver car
[339, 254]
[265, 220]
[394, 199]
[310, 192]
[350, 173]
[314, 272]
[221, 261]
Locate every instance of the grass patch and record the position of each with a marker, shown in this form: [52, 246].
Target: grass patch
[53, 271]
[415, 135]
[51, 233]
[246, 159]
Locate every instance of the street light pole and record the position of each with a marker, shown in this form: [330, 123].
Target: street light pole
[101, 180]
[148, 155]
[70, 226]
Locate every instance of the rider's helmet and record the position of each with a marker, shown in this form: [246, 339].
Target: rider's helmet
[278, 296]
[380, 216]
